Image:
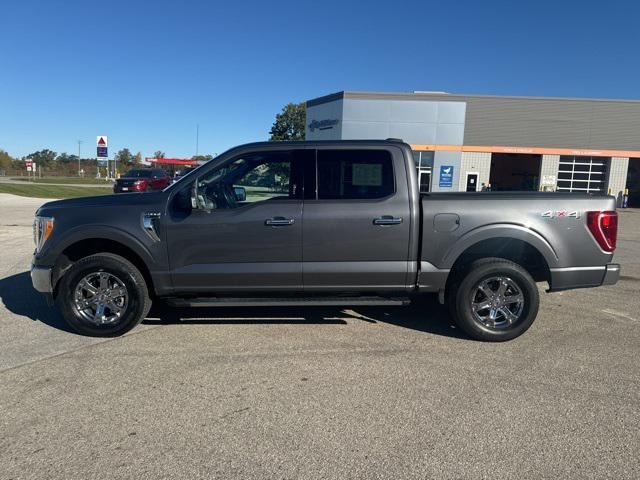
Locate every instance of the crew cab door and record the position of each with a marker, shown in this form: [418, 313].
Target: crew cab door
[357, 229]
[246, 232]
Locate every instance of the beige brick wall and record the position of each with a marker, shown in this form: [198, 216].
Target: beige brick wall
[549, 167]
[474, 162]
[617, 178]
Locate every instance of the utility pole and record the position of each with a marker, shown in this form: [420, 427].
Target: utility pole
[79, 143]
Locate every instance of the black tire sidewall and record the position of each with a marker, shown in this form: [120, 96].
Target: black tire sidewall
[464, 315]
[138, 297]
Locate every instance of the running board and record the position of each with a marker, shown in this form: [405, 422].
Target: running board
[286, 301]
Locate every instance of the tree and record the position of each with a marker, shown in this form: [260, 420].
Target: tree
[137, 158]
[158, 154]
[124, 157]
[44, 158]
[65, 158]
[6, 160]
[289, 124]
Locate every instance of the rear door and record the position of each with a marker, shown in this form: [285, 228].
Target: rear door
[356, 230]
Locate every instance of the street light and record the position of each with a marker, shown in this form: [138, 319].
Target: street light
[79, 143]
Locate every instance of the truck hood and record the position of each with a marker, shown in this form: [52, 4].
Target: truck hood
[123, 199]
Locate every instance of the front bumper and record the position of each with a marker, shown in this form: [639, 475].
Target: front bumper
[41, 279]
[584, 277]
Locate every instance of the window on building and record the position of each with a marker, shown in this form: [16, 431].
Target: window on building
[582, 174]
[424, 165]
[354, 174]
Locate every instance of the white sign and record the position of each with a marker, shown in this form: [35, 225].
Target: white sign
[366, 174]
[101, 141]
[548, 180]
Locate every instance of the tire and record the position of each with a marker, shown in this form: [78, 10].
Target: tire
[82, 282]
[475, 295]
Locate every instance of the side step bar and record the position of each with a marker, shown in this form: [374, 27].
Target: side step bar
[286, 301]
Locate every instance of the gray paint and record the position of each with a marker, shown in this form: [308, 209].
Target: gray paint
[530, 121]
[232, 250]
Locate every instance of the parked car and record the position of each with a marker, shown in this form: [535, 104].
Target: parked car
[142, 180]
[326, 223]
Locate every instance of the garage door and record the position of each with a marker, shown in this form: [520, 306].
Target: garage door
[582, 174]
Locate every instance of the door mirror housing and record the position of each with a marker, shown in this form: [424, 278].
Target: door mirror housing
[241, 194]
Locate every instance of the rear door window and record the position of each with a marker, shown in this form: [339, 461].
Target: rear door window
[354, 174]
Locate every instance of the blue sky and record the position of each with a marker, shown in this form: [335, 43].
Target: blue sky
[145, 73]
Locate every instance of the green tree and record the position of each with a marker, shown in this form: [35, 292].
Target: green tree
[289, 124]
[158, 154]
[124, 157]
[65, 158]
[44, 158]
[137, 158]
[6, 160]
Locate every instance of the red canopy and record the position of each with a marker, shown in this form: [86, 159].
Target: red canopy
[172, 161]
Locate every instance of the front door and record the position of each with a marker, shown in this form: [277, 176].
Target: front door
[356, 227]
[246, 234]
[472, 182]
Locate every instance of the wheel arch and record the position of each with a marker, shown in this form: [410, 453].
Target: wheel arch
[518, 250]
[89, 246]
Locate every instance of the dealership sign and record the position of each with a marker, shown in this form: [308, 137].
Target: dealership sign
[323, 124]
[446, 176]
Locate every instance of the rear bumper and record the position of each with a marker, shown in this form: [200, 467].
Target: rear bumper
[584, 277]
[612, 274]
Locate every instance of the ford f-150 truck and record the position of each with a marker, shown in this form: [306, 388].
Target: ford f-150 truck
[319, 223]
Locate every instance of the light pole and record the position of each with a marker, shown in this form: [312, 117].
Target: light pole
[197, 137]
[79, 143]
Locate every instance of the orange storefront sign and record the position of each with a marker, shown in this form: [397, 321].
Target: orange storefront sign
[587, 152]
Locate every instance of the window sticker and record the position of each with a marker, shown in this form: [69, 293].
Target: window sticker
[367, 174]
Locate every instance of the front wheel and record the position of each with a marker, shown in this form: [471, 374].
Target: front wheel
[494, 300]
[103, 295]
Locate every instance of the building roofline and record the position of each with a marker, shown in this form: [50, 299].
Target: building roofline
[442, 95]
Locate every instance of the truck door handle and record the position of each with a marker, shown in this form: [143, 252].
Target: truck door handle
[387, 220]
[279, 222]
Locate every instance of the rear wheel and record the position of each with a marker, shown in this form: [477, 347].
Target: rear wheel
[494, 300]
[103, 295]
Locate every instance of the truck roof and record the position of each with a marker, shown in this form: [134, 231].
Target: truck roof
[305, 143]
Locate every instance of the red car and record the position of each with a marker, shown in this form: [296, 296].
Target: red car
[145, 180]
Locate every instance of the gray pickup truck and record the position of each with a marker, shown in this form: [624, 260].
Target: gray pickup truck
[319, 223]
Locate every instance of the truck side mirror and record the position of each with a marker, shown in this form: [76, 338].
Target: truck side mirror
[241, 194]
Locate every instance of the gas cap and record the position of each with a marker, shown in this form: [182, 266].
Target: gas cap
[446, 222]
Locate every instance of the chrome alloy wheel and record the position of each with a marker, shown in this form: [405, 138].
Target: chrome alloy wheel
[497, 302]
[100, 298]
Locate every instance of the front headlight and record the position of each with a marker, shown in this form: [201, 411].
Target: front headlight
[42, 228]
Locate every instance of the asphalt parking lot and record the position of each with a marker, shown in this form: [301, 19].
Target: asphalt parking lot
[319, 393]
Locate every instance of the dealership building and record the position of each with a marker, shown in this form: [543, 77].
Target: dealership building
[461, 142]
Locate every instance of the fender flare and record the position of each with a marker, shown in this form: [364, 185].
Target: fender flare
[106, 232]
[503, 230]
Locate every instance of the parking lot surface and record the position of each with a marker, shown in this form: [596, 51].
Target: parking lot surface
[319, 393]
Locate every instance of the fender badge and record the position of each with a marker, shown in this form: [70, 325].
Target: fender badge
[560, 214]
